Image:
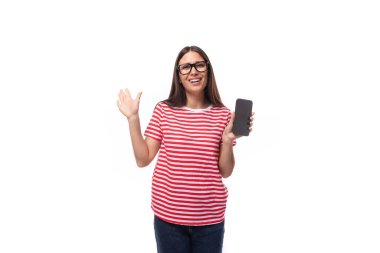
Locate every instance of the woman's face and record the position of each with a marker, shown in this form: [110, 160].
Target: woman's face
[193, 77]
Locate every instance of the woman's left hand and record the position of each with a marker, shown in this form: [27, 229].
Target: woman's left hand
[228, 136]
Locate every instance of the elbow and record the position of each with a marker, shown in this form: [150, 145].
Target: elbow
[226, 170]
[142, 164]
[226, 175]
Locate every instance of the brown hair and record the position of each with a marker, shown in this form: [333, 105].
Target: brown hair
[177, 96]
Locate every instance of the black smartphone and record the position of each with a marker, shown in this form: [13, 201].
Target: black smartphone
[243, 110]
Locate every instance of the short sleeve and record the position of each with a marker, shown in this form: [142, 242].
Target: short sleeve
[153, 129]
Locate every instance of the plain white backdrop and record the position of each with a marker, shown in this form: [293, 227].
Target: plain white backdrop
[306, 179]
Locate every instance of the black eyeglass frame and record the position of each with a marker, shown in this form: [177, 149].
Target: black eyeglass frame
[191, 67]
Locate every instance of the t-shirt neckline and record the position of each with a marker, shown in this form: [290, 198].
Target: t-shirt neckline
[198, 109]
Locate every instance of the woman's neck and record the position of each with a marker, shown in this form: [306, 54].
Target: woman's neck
[196, 102]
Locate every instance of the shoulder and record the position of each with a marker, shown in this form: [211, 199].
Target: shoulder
[163, 108]
[221, 113]
[222, 110]
[160, 106]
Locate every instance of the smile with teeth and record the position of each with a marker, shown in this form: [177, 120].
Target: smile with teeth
[194, 81]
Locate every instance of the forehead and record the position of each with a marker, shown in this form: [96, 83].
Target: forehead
[190, 57]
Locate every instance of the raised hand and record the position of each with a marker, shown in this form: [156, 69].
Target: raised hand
[128, 106]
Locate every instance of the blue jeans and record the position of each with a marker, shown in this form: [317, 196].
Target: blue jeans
[172, 238]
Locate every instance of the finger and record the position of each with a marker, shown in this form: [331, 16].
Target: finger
[138, 97]
[233, 136]
[232, 117]
[127, 93]
[230, 124]
[121, 96]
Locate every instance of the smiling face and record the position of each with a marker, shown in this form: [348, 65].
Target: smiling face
[195, 81]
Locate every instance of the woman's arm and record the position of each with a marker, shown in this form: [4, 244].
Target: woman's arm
[144, 150]
[226, 159]
[226, 155]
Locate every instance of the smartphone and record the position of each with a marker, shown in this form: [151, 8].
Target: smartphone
[243, 110]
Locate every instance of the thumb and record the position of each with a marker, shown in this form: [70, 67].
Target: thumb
[232, 118]
[230, 124]
[138, 97]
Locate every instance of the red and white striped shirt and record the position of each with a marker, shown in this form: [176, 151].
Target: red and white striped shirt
[187, 187]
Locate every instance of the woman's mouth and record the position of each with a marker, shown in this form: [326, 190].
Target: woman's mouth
[195, 81]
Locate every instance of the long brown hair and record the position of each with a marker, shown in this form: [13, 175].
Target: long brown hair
[177, 96]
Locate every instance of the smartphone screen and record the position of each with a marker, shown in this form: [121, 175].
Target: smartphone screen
[243, 110]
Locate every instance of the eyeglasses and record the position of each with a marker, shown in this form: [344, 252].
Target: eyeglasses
[200, 66]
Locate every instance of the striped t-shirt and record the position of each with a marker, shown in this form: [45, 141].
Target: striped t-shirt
[187, 187]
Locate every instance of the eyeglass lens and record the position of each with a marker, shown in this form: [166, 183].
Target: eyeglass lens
[199, 66]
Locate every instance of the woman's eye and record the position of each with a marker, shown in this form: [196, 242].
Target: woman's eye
[185, 67]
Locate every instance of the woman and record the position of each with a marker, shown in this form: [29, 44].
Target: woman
[193, 131]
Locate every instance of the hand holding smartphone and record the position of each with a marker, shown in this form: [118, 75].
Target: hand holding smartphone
[243, 111]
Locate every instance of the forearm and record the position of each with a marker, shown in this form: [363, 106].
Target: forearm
[226, 159]
[140, 148]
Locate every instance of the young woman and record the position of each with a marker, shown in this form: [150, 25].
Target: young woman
[193, 131]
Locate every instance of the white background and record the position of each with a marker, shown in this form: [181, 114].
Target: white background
[306, 180]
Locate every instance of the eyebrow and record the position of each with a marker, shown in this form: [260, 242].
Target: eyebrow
[191, 63]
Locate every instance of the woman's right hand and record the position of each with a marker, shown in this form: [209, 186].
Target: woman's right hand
[128, 106]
